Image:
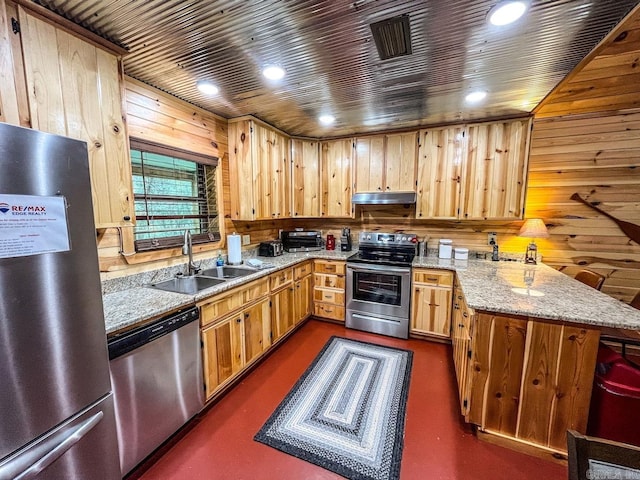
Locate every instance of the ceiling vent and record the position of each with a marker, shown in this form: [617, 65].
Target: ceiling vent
[392, 37]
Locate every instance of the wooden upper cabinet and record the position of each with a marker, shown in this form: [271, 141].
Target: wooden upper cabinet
[13, 94]
[74, 89]
[336, 157]
[280, 156]
[241, 177]
[369, 164]
[386, 163]
[440, 159]
[496, 169]
[259, 171]
[305, 156]
[400, 162]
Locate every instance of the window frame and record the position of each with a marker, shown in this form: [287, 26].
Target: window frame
[149, 245]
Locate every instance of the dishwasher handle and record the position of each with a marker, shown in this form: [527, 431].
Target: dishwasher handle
[125, 343]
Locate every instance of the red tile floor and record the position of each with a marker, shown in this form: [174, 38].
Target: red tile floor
[438, 445]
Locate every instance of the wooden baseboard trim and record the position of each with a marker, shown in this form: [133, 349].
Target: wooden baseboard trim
[523, 446]
[430, 338]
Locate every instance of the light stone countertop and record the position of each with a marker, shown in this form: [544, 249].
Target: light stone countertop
[487, 286]
[137, 305]
[501, 287]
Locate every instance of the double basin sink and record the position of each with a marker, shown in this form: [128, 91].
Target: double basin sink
[192, 284]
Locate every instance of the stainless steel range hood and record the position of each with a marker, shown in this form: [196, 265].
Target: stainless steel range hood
[383, 198]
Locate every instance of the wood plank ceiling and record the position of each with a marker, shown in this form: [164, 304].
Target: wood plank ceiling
[607, 80]
[331, 61]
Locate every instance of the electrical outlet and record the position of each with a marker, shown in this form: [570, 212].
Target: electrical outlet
[492, 238]
[246, 239]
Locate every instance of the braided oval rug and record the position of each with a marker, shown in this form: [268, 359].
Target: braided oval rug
[347, 411]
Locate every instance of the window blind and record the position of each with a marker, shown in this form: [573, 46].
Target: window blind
[174, 191]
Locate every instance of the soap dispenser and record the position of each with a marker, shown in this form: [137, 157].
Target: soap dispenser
[219, 260]
[494, 256]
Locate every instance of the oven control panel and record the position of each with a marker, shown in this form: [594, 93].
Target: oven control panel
[379, 238]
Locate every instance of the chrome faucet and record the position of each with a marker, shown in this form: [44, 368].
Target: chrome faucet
[187, 249]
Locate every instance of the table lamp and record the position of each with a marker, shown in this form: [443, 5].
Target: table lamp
[533, 228]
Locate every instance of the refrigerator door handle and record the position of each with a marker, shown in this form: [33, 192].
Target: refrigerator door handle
[34, 460]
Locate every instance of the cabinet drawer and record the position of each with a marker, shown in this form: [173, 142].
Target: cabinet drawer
[281, 278]
[329, 266]
[328, 295]
[301, 270]
[257, 289]
[439, 278]
[219, 307]
[328, 280]
[326, 310]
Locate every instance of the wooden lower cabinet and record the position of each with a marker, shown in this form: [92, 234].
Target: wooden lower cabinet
[302, 299]
[222, 352]
[431, 303]
[234, 339]
[282, 304]
[257, 330]
[461, 344]
[523, 379]
[329, 289]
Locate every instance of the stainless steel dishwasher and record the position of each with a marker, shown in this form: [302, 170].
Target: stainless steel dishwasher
[156, 373]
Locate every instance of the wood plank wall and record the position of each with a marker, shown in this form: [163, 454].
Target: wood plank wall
[593, 155]
[158, 117]
[596, 156]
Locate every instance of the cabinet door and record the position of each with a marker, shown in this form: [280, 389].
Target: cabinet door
[431, 310]
[461, 343]
[257, 330]
[369, 164]
[441, 155]
[280, 176]
[336, 163]
[302, 299]
[400, 162]
[263, 139]
[306, 181]
[282, 313]
[495, 174]
[74, 90]
[241, 179]
[222, 352]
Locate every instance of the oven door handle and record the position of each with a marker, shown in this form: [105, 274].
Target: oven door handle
[378, 269]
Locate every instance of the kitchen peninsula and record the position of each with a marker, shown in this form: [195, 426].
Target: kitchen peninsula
[525, 340]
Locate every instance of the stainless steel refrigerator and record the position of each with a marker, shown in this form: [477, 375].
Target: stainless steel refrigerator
[56, 407]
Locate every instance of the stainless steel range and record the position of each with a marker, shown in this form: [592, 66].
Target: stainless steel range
[379, 283]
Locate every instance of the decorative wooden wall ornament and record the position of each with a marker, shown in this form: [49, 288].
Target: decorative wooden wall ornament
[631, 230]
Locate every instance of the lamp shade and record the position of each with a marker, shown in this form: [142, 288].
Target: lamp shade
[533, 228]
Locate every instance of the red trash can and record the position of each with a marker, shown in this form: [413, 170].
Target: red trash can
[615, 401]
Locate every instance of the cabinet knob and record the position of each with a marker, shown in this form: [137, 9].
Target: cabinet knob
[126, 218]
[246, 315]
[238, 320]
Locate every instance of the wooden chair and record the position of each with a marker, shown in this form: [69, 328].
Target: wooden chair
[593, 279]
[592, 457]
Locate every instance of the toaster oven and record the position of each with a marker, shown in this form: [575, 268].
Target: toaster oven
[301, 241]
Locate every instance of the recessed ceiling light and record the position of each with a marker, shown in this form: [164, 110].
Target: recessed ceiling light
[273, 72]
[207, 88]
[326, 119]
[475, 97]
[505, 13]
